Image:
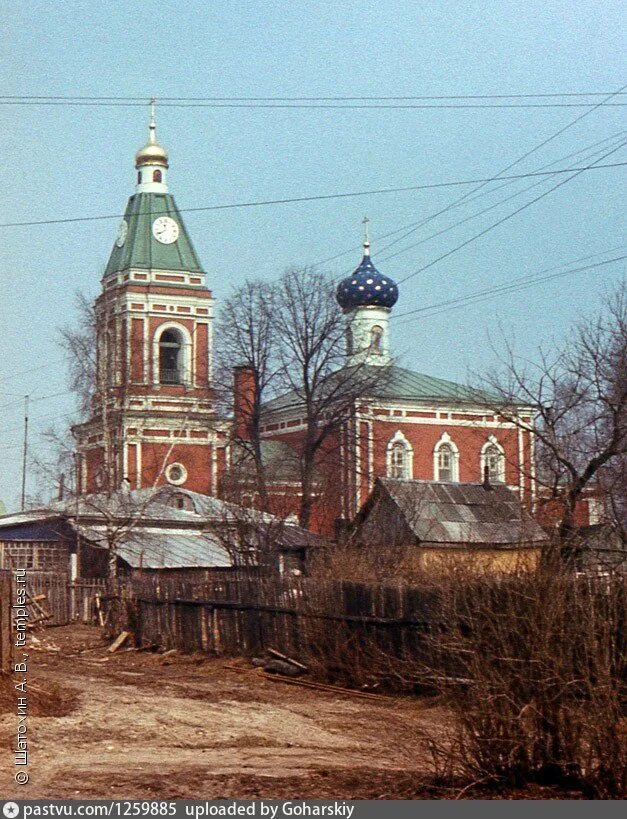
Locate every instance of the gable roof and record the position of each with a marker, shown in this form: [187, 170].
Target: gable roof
[155, 547]
[151, 526]
[399, 383]
[456, 513]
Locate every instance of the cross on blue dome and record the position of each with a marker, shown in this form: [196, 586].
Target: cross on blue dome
[366, 287]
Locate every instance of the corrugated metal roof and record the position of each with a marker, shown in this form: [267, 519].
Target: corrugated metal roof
[161, 548]
[154, 512]
[463, 513]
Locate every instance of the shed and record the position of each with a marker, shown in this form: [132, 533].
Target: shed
[426, 523]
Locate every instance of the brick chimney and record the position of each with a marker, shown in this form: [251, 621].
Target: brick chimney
[243, 399]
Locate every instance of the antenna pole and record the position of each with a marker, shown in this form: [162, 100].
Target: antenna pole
[25, 450]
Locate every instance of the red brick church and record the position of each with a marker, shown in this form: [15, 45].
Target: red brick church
[155, 418]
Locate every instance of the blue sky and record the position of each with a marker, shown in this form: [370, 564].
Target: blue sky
[65, 162]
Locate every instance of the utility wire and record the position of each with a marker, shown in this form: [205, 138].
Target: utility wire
[340, 98]
[577, 172]
[458, 203]
[477, 214]
[286, 106]
[30, 370]
[516, 284]
[318, 198]
[511, 165]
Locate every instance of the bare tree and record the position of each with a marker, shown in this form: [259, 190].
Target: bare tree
[311, 338]
[94, 375]
[246, 339]
[578, 392]
[79, 342]
[291, 335]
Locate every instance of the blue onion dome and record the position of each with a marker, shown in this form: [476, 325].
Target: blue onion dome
[366, 287]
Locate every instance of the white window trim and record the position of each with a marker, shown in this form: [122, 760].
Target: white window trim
[188, 378]
[493, 442]
[176, 481]
[399, 438]
[445, 438]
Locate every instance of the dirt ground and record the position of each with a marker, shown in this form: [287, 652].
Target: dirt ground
[142, 725]
[145, 726]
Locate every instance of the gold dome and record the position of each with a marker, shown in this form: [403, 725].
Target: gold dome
[152, 153]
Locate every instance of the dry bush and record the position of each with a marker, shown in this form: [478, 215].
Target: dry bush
[533, 666]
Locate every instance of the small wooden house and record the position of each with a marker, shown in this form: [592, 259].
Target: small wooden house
[431, 525]
[169, 530]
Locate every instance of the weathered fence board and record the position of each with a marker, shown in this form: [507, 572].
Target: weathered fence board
[249, 615]
[83, 595]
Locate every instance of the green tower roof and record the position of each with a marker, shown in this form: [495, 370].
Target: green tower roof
[141, 249]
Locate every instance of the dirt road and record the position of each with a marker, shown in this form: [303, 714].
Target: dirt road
[185, 727]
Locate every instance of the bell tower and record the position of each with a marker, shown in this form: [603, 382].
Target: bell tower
[153, 412]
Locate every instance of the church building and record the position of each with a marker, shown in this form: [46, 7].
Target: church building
[155, 420]
[407, 425]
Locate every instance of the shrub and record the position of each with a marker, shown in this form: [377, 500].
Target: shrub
[534, 668]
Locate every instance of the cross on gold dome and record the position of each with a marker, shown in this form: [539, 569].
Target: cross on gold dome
[152, 127]
[152, 153]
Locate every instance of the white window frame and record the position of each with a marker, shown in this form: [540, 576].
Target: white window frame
[408, 466]
[186, 351]
[489, 444]
[176, 481]
[446, 440]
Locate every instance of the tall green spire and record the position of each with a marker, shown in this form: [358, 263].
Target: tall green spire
[140, 242]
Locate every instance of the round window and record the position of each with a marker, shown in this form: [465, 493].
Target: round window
[176, 474]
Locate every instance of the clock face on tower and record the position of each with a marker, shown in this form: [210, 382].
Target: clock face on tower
[165, 230]
[122, 231]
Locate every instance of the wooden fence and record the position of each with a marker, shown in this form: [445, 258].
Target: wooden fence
[249, 615]
[6, 631]
[64, 601]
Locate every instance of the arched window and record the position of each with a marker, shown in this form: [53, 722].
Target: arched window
[139, 177]
[400, 457]
[493, 461]
[446, 460]
[156, 176]
[445, 463]
[349, 341]
[376, 338]
[170, 358]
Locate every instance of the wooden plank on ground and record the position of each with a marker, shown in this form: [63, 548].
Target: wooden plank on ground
[119, 642]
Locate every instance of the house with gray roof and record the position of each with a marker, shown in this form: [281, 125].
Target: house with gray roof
[169, 530]
[428, 522]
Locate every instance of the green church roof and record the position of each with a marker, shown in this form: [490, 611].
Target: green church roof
[141, 249]
[399, 384]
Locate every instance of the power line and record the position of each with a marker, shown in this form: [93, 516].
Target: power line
[515, 162]
[286, 106]
[466, 199]
[478, 213]
[516, 284]
[30, 370]
[144, 99]
[496, 224]
[35, 400]
[317, 198]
